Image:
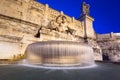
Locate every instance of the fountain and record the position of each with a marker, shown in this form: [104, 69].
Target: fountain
[59, 54]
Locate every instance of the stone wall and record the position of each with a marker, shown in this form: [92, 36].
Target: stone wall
[36, 13]
[20, 21]
[15, 36]
[23, 22]
[110, 44]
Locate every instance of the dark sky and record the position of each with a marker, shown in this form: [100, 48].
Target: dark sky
[105, 12]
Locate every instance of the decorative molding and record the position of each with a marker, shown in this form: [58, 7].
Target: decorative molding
[18, 20]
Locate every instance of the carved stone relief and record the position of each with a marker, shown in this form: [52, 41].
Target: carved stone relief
[60, 24]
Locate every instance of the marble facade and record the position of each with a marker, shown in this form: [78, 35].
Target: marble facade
[23, 22]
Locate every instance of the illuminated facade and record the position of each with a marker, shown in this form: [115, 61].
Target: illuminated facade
[23, 22]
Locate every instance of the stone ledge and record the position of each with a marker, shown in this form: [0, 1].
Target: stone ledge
[18, 20]
[12, 37]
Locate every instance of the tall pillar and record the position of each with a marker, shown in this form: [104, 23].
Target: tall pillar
[89, 33]
[88, 22]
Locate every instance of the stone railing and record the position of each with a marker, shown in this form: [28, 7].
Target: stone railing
[108, 36]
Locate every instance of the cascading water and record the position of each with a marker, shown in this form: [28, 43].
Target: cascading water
[59, 54]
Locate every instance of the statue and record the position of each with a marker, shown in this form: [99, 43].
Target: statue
[60, 24]
[61, 20]
[53, 25]
[69, 30]
[85, 8]
[38, 33]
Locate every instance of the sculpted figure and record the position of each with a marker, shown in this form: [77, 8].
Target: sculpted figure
[60, 24]
[38, 33]
[63, 23]
[85, 8]
[61, 19]
[53, 25]
[69, 30]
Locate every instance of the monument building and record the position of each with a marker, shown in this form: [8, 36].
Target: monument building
[23, 22]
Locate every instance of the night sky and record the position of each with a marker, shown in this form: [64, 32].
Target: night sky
[105, 12]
